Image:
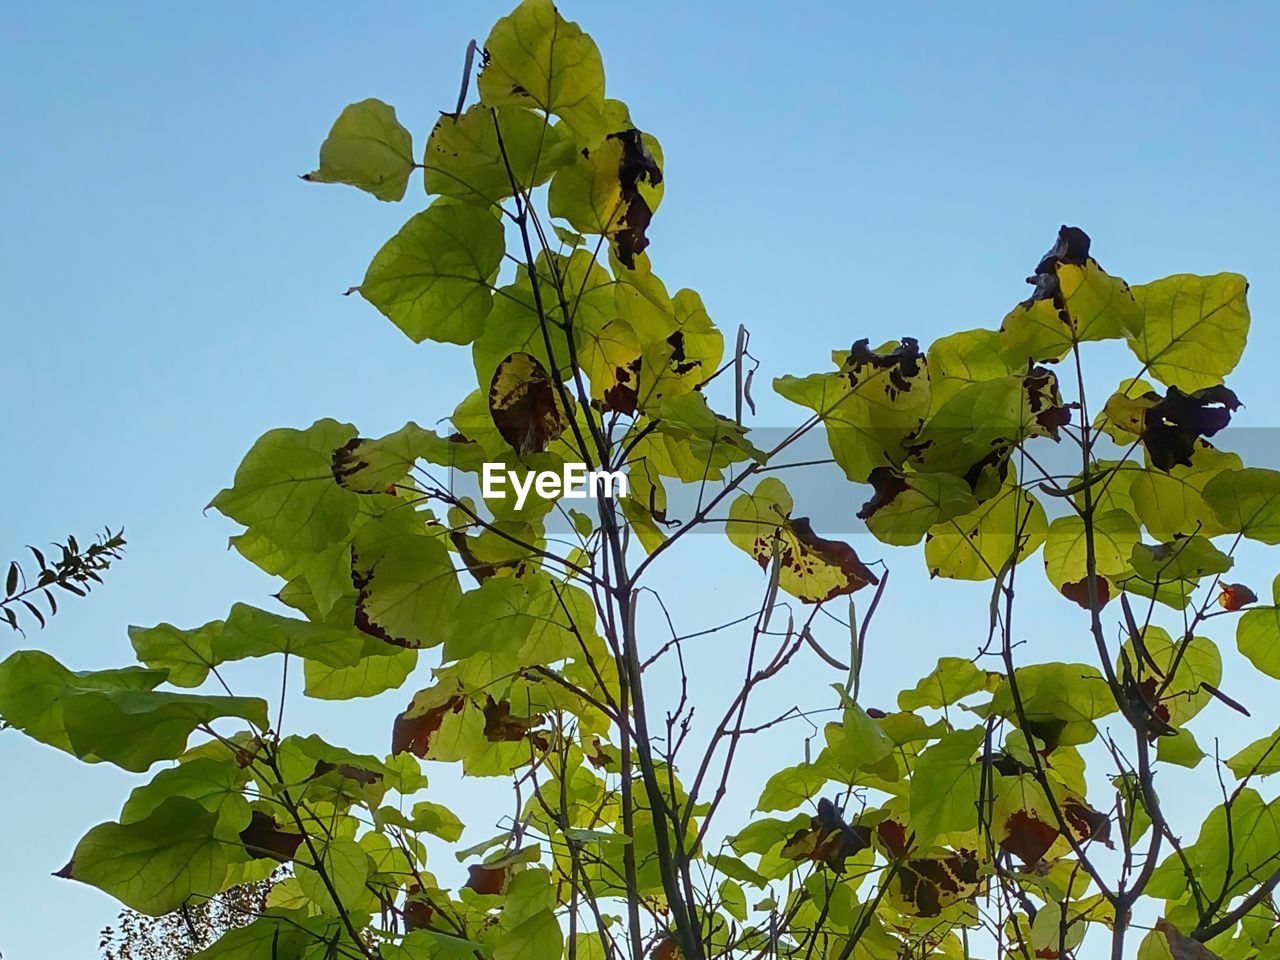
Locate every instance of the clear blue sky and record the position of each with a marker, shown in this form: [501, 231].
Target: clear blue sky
[170, 290]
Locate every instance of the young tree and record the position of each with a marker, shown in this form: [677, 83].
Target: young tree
[928, 830]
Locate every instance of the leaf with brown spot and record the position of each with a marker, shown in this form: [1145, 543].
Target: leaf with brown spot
[1173, 425]
[929, 885]
[1077, 591]
[415, 727]
[1086, 822]
[1027, 837]
[1236, 596]
[811, 567]
[892, 835]
[417, 912]
[524, 404]
[501, 727]
[263, 839]
[488, 880]
[827, 839]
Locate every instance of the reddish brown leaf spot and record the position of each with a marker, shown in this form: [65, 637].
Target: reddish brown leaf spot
[1087, 823]
[637, 164]
[413, 732]
[263, 839]
[524, 405]
[417, 912]
[1235, 596]
[893, 837]
[489, 880]
[886, 485]
[1027, 837]
[929, 885]
[1077, 591]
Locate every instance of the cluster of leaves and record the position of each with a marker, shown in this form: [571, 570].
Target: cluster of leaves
[73, 570]
[963, 814]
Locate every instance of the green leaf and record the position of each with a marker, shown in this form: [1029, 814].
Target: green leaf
[733, 900]
[1173, 504]
[437, 820]
[537, 58]
[464, 158]
[953, 679]
[944, 786]
[1258, 638]
[978, 544]
[369, 149]
[279, 934]
[106, 717]
[1181, 750]
[963, 358]
[537, 936]
[215, 782]
[792, 786]
[855, 743]
[284, 488]
[1187, 559]
[248, 632]
[1255, 843]
[1260, 758]
[1194, 329]
[1247, 501]
[347, 866]
[381, 667]
[1061, 701]
[434, 278]
[156, 864]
